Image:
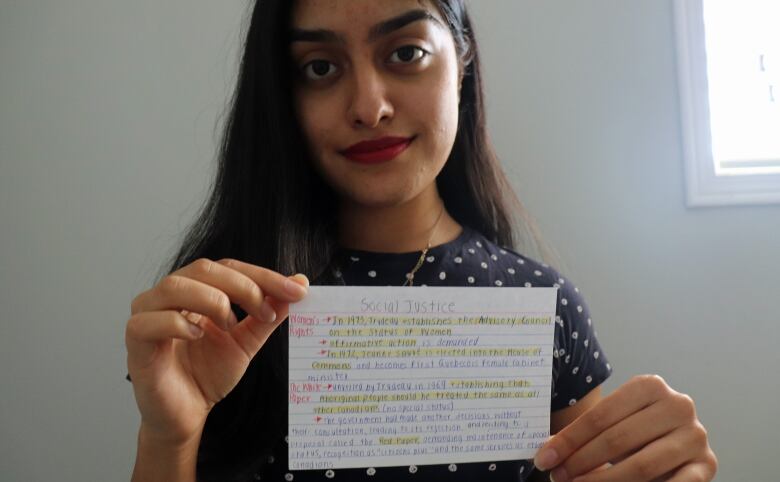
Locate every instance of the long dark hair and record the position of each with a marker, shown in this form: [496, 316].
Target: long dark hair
[269, 207]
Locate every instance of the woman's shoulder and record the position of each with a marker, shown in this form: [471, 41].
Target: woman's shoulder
[505, 266]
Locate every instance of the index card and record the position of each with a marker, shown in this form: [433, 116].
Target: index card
[390, 376]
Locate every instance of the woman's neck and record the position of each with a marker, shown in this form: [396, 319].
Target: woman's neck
[397, 229]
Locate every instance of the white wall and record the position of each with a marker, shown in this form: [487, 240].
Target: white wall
[107, 115]
[107, 134]
[583, 106]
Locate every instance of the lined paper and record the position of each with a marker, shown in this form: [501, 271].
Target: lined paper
[389, 376]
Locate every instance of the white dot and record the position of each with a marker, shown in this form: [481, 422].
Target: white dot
[596, 355]
[589, 379]
[412, 469]
[586, 343]
[511, 271]
[545, 265]
[527, 284]
[576, 290]
[522, 467]
[286, 439]
[442, 275]
[479, 245]
[458, 259]
[371, 471]
[337, 274]
[589, 322]
[575, 370]
[372, 273]
[556, 354]
[520, 261]
[609, 367]
[492, 467]
[579, 308]
[483, 264]
[575, 335]
[564, 301]
[572, 402]
[568, 359]
[561, 281]
[537, 272]
[430, 259]
[423, 285]
[502, 251]
[556, 285]
[471, 250]
[354, 258]
[494, 257]
[271, 459]
[330, 474]
[452, 467]
[561, 351]
[499, 283]
[471, 279]
[288, 477]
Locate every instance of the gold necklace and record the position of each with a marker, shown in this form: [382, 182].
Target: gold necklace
[410, 275]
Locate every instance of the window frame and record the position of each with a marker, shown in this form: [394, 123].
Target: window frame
[704, 187]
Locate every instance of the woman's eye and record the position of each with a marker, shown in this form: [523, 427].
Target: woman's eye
[318, 69]
[408, 54]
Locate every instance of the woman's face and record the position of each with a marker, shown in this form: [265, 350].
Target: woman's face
[374, 69]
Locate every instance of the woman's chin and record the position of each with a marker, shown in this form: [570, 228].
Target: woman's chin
[377, 198]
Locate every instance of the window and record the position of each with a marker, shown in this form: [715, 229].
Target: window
[729, 79]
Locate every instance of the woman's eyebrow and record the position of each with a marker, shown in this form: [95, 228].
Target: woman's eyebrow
[379, 30]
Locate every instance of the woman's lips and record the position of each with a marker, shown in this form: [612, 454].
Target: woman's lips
[378, 150]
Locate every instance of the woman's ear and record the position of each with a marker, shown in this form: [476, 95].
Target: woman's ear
[463, 65]
[461, 74]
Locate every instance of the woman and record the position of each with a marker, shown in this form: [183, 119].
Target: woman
[356, 153]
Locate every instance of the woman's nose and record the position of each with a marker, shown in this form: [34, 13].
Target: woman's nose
[369, 102]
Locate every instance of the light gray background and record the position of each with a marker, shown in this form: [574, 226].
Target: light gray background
[107, 135]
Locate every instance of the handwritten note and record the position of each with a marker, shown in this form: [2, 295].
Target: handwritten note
[415, 376]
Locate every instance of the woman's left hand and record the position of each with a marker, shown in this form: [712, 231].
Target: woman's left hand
[645, 429]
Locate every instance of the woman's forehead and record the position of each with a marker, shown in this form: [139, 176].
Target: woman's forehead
[352, 15]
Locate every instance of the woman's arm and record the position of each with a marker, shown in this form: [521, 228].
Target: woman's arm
[159, 460]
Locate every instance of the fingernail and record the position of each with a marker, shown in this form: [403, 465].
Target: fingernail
[303, 278]
[195, 330]
[267, 313]
[193, 317]
[294, 288]
[559, 475]
[546, 459]
[233, 321]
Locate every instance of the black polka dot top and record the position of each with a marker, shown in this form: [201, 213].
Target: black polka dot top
[579, 365]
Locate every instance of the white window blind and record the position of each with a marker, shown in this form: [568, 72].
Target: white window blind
[729, 71]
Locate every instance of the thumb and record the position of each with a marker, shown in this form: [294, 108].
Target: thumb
[282, 308]
[301, 279]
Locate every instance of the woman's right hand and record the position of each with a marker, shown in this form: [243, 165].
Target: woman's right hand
[185, 349]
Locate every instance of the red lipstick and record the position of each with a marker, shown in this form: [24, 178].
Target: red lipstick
[377, 150]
